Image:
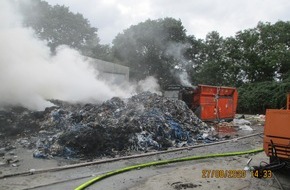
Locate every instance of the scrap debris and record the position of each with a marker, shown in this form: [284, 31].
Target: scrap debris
[140, 123]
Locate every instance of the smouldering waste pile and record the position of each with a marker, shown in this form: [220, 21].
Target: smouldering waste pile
[143, 122]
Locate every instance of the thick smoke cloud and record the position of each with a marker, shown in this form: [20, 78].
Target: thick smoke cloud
[29, 75]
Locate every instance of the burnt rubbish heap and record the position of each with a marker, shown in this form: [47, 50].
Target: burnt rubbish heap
[142, 122]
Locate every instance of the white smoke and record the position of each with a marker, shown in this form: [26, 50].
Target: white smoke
[29, 75]
[177, 50]
[184, 79]
[149, 84]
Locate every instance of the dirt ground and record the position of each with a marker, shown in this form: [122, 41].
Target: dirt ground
[190, 176]
[184, 175]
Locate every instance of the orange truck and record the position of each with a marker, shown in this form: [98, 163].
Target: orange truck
[277, 134]
[209, 103]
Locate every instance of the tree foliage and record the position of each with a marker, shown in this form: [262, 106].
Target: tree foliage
[213, 63]
[257, 60]
[59, 26]
[152, 48]
[257, 97]
[253, 55]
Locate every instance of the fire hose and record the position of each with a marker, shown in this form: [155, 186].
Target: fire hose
[162, 162]
[105, 175]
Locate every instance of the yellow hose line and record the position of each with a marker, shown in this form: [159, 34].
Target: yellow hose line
[162, 162]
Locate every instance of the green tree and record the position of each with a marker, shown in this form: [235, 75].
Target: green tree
[265, 51]
[276, 44]
[212, 67]
[103, 52]
[153, 47]
[194, 53]
[233, 74]
[253, 55]
[257, 97]
[59, 26]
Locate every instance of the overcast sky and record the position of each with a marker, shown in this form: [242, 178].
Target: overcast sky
[198, 16]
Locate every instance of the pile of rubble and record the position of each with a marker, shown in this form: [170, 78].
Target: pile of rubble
[143, 122]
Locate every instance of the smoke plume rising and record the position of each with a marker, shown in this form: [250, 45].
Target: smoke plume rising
[177, 50]
[29, 75]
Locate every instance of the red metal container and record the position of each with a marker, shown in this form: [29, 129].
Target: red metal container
[215, 102]
[209, 103]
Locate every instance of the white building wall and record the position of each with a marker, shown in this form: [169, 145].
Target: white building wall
[111, 71]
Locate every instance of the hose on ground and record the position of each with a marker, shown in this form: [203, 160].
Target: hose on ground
[162, 162]
[60, 168]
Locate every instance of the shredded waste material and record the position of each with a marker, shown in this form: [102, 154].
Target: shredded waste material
[142, 122]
